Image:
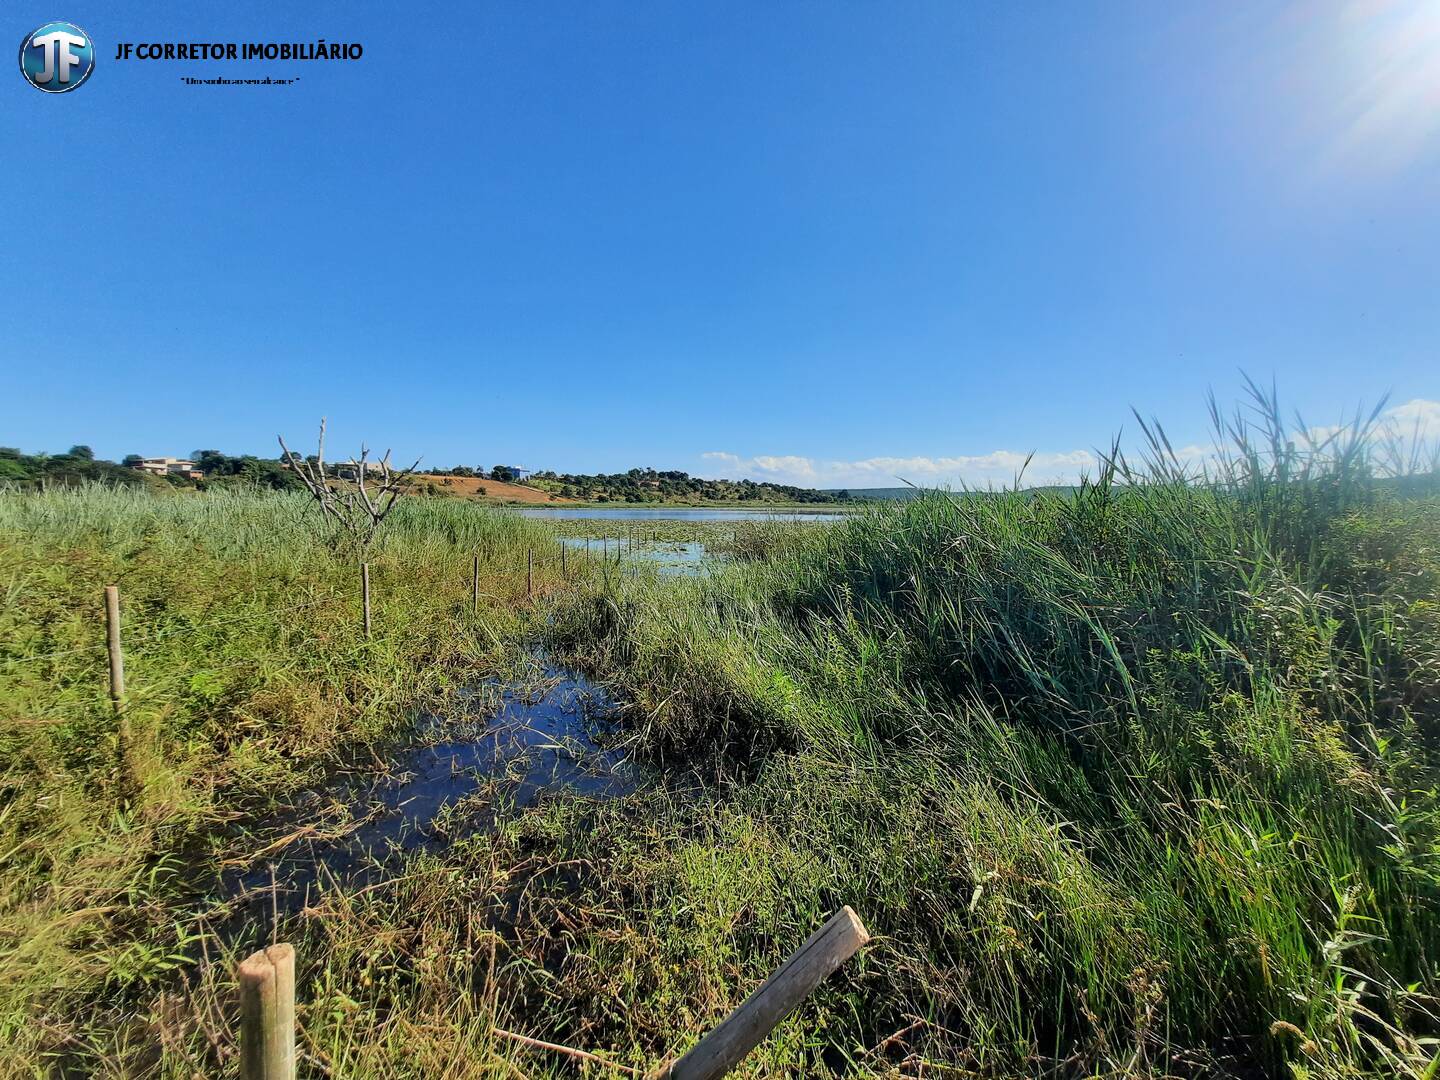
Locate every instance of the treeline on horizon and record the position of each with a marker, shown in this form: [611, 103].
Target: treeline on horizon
[672, 485]
[79, 465]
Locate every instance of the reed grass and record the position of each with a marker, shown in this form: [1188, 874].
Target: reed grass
[1134, 780]
[247, 672]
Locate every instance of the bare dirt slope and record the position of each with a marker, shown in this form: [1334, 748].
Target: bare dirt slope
[468, 486]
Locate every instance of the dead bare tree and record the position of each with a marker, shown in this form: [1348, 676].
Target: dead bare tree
[354, 503]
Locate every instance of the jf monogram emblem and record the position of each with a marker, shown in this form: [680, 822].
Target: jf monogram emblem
[57, 57]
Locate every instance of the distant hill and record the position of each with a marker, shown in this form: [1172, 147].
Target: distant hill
[673, 486]
[475, 486]
[870, 494]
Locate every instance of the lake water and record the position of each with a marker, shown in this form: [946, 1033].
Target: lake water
[670, 558]
[675, 513]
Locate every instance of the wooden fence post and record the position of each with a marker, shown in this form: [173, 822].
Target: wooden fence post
[365, 594]
[529, 571]
[475, 587]
[112, 643]
[740, 1032]
[267, 1014]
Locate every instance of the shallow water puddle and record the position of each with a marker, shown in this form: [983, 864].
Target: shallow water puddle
[671, 558]
[541, 737]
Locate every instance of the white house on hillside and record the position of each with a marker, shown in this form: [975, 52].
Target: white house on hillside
[161, 466]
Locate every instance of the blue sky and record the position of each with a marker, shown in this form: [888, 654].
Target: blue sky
[828, 242]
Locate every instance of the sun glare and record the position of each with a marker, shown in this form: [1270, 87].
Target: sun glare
[1387, 109]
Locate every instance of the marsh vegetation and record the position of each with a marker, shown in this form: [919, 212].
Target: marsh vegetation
[1137, 779]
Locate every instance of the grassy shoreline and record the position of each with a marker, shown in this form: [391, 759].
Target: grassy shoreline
[1133, 780]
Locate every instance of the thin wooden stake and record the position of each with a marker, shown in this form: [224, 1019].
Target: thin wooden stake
[267, 1014]
[112, 643]
[740, 1032]
[529, 571]
[475, 587]
[562, 561]
[365, 594]
[568, 1051]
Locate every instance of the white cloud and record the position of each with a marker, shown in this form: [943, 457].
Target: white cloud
[1416, 416]
[1416, 419]
[998, 467]
[787, 466]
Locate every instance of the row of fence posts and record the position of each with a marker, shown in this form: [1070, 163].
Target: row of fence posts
[474, 584]
[117, 653]
[266, 980]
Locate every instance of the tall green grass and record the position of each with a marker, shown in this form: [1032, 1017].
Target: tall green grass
[1135, 780]
[246, 672]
